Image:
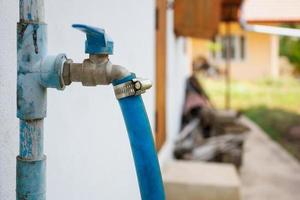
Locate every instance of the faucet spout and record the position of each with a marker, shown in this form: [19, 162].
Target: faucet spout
[118, 72]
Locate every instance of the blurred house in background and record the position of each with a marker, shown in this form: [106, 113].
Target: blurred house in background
[253, 55]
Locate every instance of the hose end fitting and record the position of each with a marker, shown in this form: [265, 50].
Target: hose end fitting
[134, 87]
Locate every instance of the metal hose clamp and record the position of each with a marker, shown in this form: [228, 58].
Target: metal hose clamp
[134, 87]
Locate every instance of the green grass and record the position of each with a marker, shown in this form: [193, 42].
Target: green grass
[283, 94]
[276, 122]
[273, 105]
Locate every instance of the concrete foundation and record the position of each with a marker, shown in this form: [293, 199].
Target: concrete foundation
[186, 180]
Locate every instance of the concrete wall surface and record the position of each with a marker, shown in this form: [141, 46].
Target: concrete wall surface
[178, 69]
[87, 148]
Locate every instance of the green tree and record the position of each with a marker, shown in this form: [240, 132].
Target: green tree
[290, 47]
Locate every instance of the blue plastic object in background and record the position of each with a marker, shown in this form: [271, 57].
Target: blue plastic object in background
[97, 41]
[142, 145]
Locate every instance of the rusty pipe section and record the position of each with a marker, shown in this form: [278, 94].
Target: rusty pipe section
[96, 70]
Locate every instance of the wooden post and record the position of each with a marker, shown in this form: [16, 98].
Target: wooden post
[228, 67]
[160, 74]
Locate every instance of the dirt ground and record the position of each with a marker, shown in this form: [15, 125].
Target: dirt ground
[269, 172]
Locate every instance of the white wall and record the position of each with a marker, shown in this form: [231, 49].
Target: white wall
[177, 71]
[86, 140]
[8, 120]
[87, 148]
[88, 154]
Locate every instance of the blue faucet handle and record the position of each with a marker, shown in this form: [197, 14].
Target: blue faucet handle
[97, 41]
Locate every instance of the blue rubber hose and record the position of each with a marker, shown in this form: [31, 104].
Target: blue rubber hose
[142, 145]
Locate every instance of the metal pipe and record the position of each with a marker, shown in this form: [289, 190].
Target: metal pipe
[271, 30]
[291, 32]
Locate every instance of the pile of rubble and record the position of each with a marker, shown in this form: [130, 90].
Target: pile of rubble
[208, 134]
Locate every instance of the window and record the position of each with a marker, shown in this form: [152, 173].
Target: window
[237, 47]
[231, 44]
[242, 47]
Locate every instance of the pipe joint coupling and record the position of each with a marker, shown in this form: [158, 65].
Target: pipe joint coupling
[134, 87]
[51, 75]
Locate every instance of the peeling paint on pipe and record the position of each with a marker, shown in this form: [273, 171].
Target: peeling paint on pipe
[51, 73]
[31, 139]
[32, 50]
[31, 101]
[31, 10]
[31, 179]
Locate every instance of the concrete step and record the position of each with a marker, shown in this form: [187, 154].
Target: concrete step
[189, 180]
